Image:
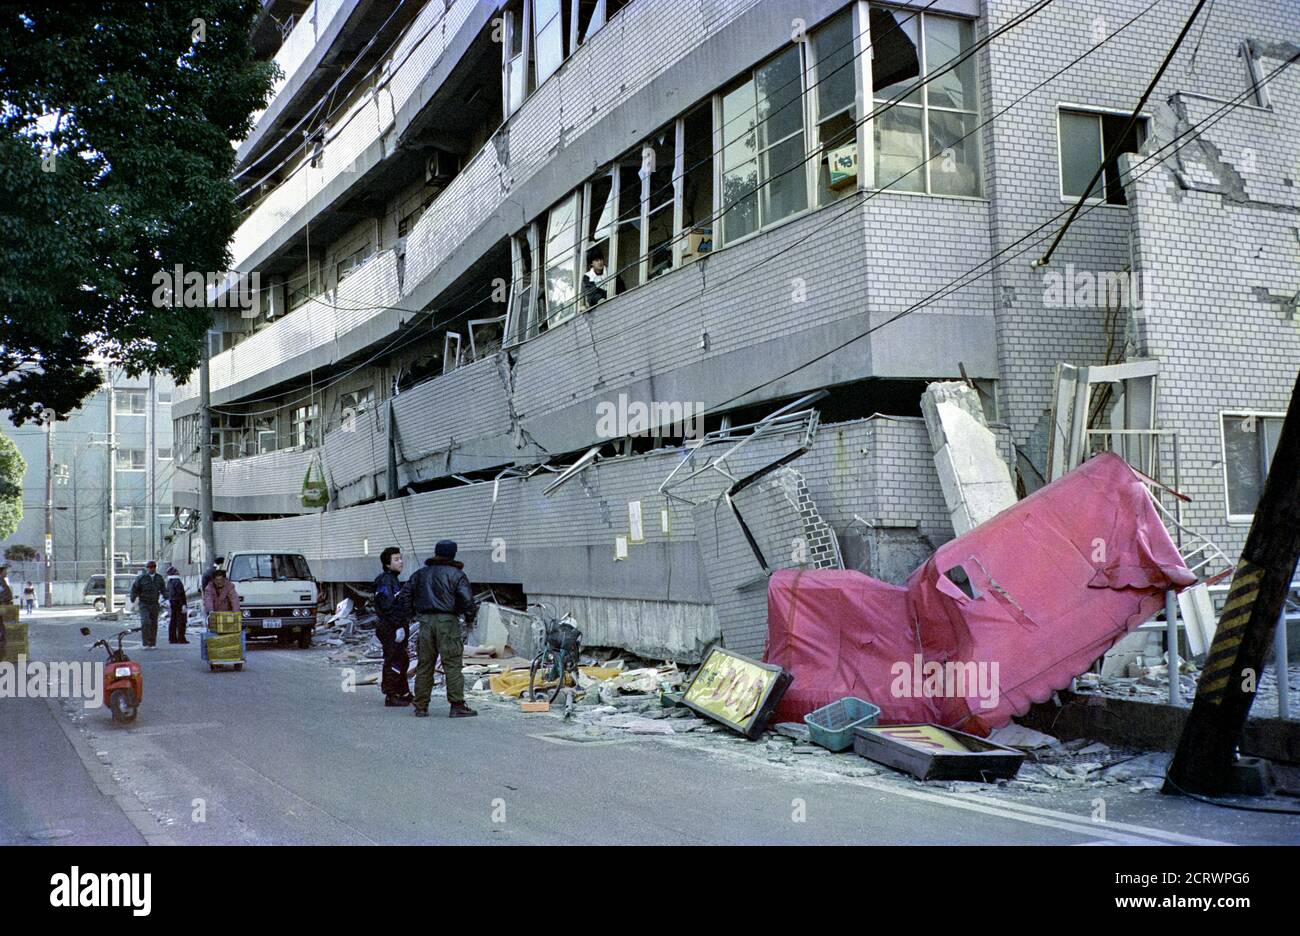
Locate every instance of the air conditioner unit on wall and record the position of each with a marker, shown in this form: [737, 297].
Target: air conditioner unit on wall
[440, 166]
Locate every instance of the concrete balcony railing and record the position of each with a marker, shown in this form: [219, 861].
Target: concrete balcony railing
[314, 23]
[350, 134]
[306, 338]
[258, 484]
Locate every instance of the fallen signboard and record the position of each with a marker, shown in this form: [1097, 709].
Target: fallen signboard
[738, 692]
[931, 752]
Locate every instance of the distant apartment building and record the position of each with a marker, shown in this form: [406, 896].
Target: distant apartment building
[515, 259]
[144, 470]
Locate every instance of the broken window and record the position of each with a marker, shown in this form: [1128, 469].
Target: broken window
[627, 246]
[1249, 443]
[834, 76]
[561, 261]
[599, 204]
[697, 183]
[1085, 139]
[352, 262]
[522, 311]
[926, 141]
[548, 34]
[658, 171]
[302, 425]
[516, 48]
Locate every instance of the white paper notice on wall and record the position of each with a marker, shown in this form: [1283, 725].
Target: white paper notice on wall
[635, 528]
[620, 547]
[665, 520]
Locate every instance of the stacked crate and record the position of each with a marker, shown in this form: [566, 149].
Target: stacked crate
[14, 640]
[224, 641]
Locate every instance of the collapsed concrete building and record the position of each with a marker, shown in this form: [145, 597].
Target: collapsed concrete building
[788, 198]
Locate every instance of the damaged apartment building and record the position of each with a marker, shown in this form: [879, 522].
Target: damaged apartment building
[807, 213]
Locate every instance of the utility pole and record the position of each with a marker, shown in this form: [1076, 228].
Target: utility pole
[49, 506]
[206, 530]
[152, 417]
[112, 496]
[1203, 762]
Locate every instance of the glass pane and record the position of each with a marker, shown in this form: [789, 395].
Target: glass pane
[779, 89]
[738, 140]
[836, 74]
[954, 154]
[697, 188]
[785, 189]
[945, 40]
[1241, 448]
[895, 54]
[740, 200]
[1080, 153]
[550, 49]
[1272, 427]
[517, 74]
[899, 150]
[661, 240]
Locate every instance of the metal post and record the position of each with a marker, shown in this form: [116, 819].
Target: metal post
[1283, 675]
[206, 528]
[1171, 636]
[109, 576]
[49, 507]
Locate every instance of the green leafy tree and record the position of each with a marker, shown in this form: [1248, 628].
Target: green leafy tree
[115, 164]
[12, 469]
[19, 552]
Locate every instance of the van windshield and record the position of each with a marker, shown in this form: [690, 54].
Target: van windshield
[269, 567]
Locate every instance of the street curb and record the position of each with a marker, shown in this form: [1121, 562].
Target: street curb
[132, 808]
[1153, 726]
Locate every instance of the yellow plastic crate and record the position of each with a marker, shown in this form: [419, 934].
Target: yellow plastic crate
[225, 622]
[224, 647]
[15, 642]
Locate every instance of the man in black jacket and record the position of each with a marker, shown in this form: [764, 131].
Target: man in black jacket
[147, 591]
[176, 602]
[440, 593]
[393, 605]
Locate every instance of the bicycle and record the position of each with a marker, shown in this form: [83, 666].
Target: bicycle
[558, 642]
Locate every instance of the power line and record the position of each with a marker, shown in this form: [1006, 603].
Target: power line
[402, 340]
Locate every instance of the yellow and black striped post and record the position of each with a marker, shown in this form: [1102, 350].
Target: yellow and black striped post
[1203, 761]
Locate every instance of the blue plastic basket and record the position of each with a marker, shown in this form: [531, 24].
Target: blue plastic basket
[832, 725]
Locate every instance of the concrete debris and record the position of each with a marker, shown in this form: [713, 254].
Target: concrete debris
[1023, 738]
[1144, 766]
[976, 482]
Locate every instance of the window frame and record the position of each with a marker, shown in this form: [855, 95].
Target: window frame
[1223, 414]
[1143, 128]
[144, 460]
[868, 80]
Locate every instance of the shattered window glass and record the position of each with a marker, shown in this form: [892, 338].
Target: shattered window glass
[1249, 442]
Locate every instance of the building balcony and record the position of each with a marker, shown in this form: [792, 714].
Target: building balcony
[321, 332]
[258, 484]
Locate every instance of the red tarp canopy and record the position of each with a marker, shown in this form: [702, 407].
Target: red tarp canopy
[1057, 579]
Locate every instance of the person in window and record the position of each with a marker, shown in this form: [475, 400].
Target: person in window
[593, 288]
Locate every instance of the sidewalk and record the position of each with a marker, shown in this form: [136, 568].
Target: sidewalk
[47, 792]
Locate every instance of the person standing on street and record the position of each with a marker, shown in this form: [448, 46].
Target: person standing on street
[218, 563]
[440, 593]
[147, 590]
[393, 605]
[29, 597]
[220, 594]
[6, 593]
[176, 600]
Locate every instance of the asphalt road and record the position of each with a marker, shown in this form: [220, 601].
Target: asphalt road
[281, 753]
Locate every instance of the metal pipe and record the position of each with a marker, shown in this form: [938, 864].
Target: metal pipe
[1171, 636]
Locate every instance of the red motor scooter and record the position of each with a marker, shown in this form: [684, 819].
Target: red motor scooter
[123, 681]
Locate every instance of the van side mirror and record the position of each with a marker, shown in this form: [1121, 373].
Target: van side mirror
[85, 632]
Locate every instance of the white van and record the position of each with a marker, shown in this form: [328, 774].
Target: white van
[277, 595]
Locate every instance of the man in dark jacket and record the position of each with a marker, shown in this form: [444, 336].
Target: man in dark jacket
[393, 605]
[176, 601]
[440, 593]
[147, 590]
